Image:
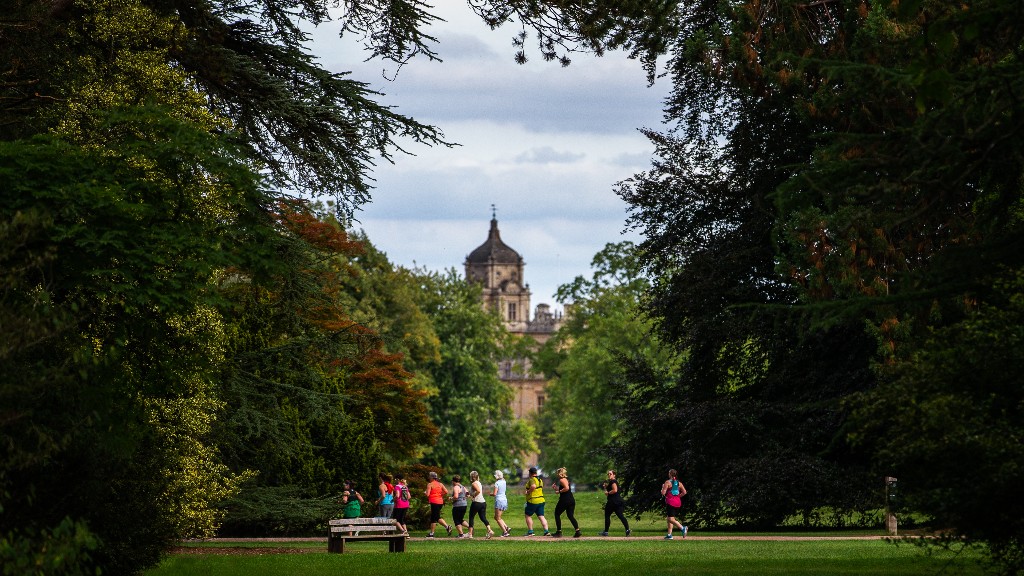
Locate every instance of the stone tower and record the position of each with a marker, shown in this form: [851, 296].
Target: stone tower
[499, 270]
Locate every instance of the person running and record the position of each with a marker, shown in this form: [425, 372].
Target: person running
[500, 502]
[566, 503]
[385, 496]
[615, 504]
[352, 501]
[435, 494]
[535, 502]
[673, 491]
[478, 507]
[459, 504]
[402, 503]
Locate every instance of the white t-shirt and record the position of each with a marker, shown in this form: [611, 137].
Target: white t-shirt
[479, 489]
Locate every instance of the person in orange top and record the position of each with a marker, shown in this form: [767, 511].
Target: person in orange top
[435, 494]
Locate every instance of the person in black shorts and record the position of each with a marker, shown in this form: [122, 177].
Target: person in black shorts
[673, 491]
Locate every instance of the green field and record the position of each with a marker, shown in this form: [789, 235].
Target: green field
[582, 557]
[712, 553]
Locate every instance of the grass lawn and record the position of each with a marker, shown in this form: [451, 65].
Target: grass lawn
[582, 557]
[704, 552]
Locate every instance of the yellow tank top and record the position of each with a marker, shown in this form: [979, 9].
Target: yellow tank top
[536, 494]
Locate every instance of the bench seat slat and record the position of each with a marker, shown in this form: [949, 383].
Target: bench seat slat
[349, 521]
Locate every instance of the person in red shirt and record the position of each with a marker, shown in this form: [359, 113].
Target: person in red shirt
[435, 494]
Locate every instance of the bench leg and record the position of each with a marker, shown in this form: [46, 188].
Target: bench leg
[335, 545]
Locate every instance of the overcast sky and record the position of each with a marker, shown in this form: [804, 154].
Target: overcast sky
[543, 143]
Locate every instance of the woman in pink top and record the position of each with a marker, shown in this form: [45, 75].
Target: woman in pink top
[673, 491]
[435, 494]
[401, 503]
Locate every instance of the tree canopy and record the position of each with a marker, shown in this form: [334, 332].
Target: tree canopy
[149, 152]
[585, 363]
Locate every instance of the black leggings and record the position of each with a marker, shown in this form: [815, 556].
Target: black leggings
[618, 508]
[478, 508]
[567, 505]
[458, 514]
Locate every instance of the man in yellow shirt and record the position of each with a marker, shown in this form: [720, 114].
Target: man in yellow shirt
[535, 502]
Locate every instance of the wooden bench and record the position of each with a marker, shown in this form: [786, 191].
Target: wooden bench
[364, 529]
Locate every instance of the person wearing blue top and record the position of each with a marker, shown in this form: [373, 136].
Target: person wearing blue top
[500, 502]
[673, 491]
[385, 496]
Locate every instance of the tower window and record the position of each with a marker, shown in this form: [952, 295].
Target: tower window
[512, 311]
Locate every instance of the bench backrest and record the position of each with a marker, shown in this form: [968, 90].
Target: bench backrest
[382, 525]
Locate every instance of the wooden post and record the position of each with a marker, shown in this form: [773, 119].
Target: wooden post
[890, 505]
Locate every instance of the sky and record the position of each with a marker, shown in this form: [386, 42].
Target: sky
[544, 144]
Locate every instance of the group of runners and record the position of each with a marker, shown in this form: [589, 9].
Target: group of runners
[393, 501]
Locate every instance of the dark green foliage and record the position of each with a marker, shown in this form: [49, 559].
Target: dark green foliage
[313, 398]
[584, 360]
[261, 511]
[120, 241]
[834, 163]
[948, 424]
[109, 262]
[754, 455]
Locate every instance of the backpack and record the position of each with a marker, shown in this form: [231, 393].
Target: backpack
[675, 487]
[405, 493]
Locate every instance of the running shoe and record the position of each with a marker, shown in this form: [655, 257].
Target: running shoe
[547, 533]
[555, 535]
[628, 531]
[431, 535]
[449, 529]
[685, 530]
[605, 533]
[529, 532]
[668, 537]
[506, 533]
[577, 534]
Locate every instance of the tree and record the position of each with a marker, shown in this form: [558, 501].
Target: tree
[119, 225]
[108, 392]
[313, 397]
[584, 362]
[947, 422]
[835, 163]
[469, 404]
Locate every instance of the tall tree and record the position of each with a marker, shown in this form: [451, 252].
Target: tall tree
[118, 227]
[845, 162]
[313, 397]
[469, 404]
[584, 362]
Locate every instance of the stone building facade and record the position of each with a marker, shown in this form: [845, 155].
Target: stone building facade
[499, 271]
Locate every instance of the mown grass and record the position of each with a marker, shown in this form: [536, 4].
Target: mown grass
[587, 556]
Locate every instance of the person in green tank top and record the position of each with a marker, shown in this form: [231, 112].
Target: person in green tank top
[535, 502]
[351, 501]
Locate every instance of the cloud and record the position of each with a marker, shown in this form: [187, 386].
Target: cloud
[548, 155]
[545, 144]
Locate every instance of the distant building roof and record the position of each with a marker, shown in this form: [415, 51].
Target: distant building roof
[493, 249]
